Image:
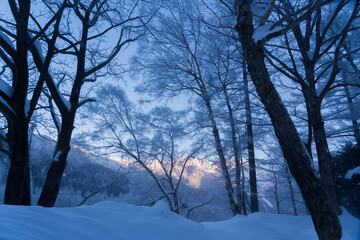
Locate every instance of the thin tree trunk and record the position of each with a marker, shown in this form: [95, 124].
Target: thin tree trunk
[162, 190]
[243, 203]
[236, 151]
[310, 131]
[276, 193]
[323, 214]
[223, 166]
[250, 141]
[292, 196]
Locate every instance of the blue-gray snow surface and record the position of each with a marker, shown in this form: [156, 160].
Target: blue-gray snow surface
[115, 220]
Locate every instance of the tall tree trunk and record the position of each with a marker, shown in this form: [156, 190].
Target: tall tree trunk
[236, 151]
[51, 187]
[219, 149]
[243, 202]
[323, 214]
[17, 189]
[250, 141]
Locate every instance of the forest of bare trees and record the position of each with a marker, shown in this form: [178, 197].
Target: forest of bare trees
[266, 90]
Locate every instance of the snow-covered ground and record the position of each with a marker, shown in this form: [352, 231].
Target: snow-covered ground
[114, 220]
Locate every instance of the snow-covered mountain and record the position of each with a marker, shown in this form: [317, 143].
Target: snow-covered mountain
[121, 180]
[116, 179]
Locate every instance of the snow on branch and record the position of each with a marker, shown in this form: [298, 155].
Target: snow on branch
[6, 39]
[6, 88]
[5, 107]
[263, 31]
[8, 47]
[267, 31]
[38, 47]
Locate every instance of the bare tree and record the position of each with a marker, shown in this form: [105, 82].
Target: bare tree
[174, 53]
[323, 213]
[23, 29]
[316, 73]
[151, 140]
[91, 55]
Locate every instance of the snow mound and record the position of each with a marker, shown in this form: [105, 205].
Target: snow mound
[114, 220]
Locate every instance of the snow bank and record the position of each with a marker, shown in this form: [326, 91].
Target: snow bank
[114, 220]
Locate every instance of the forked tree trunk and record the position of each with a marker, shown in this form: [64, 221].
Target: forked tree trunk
[51, 187]
[323, 215]
[313, 107]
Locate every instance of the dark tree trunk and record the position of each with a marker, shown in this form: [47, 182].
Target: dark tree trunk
[323, 214]
[250, 141]
[313, 104]
[17, 191]
[324, 158]
[51, 187]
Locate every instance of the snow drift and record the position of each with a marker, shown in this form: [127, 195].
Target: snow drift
[114, 220]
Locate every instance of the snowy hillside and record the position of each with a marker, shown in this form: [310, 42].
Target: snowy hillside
[87, 173]
[124, 181]
[114, 220]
